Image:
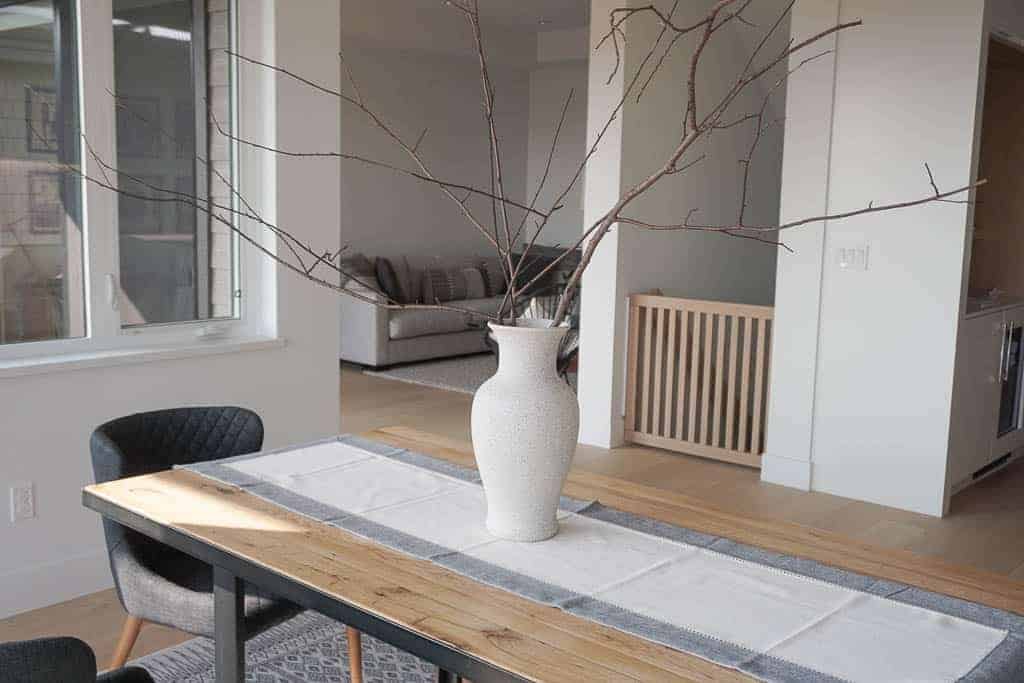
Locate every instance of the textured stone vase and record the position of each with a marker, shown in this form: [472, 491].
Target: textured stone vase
[525, 424]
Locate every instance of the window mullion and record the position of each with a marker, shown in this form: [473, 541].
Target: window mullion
[99, 142]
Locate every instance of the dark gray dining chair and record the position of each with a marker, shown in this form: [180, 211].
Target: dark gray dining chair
[67, 660]
[154, 582]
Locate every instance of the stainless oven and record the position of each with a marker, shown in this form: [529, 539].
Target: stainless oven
[1011, 365]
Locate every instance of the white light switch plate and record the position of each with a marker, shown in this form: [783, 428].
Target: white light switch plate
[852, 257]
[23, 501]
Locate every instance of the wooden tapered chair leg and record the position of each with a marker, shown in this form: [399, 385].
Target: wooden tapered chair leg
[129, 634]
[355, 654]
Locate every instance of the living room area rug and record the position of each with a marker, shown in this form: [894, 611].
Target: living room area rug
[308, 647]
[464, 374]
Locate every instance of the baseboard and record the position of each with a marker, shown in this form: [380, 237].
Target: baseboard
[46, 584]
[786, 472]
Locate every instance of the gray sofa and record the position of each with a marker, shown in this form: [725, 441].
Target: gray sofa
[378, 337]
[375, 336]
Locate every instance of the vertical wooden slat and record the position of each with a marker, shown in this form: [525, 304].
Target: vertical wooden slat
[744, 385]
[659, 350]
[645, 388]
[671, 363]
[730, 401]
[705, 394]
[719, 382]
[691, 397]
[683, 372]
[759, 367]
[632, 357]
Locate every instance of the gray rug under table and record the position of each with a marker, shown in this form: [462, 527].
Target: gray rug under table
[309, 647]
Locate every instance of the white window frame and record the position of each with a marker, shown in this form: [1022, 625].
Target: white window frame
[254, 173]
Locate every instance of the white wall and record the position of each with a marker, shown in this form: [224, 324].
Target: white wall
[47, 419]
[863, 361]
[561, 68]
[690, 264]
[389, 214]
[414, 85]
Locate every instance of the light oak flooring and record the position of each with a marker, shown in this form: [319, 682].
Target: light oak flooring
[983, 531]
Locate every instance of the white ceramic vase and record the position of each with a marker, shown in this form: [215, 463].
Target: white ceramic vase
[525, 423]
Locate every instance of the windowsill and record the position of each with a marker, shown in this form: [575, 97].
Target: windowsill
[98, 359]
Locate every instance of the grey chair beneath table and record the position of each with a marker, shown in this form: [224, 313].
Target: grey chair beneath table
[156, 583]
[67, 660]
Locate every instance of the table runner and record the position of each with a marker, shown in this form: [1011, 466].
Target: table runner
[776, 617]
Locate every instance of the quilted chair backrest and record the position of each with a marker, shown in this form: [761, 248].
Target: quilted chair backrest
[151, 442]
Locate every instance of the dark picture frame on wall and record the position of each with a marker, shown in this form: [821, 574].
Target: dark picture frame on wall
[41, 119]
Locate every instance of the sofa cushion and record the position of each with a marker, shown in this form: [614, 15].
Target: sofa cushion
[359, 267]
[419, 322]
[486, 306]
[475, 287]
[409, 281]
[443, 284]
[495, 282]
[389, 282]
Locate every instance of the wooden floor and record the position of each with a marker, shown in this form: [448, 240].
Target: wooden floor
[982, 532]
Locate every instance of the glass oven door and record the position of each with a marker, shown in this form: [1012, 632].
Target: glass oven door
[1010, 376]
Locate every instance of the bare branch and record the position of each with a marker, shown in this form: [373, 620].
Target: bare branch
[383, 126]
[370, 162]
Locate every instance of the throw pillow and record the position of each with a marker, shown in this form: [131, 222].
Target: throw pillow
[441, 284]
[409, 280]
[494, 276]
[389, 282]
[475, 288]
[359, 267]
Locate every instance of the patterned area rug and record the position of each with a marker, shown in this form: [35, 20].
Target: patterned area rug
[464, 374]
[309, 648]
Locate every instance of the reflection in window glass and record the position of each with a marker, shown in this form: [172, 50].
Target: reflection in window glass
[41, 255]
[176, 264]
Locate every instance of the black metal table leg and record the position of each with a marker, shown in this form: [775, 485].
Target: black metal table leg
[229, 616]
[446, 676]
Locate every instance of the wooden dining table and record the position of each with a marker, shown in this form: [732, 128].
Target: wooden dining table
[468, 629]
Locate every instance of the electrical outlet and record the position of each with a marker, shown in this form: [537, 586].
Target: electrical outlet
[23, 501]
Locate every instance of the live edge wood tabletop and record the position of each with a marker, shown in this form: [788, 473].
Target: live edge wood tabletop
[489, 625]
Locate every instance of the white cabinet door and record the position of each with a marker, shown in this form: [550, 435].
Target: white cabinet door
[976, 396]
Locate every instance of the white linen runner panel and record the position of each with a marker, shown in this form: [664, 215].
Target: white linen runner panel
[826, 628]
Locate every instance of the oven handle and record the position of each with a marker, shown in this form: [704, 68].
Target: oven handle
[1003, 352]
[1010, 327]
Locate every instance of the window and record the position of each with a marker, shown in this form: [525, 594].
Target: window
[41, 246]
[173, 266]
[151, 110]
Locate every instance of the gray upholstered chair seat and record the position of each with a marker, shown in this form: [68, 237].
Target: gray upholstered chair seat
[164, 586]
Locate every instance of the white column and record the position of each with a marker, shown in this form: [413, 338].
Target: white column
[805, 192]
[603, 304]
